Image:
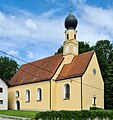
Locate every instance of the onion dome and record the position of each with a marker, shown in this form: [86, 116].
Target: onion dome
[70, 21]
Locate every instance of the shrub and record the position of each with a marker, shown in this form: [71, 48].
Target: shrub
[75, 115]
[95, 108]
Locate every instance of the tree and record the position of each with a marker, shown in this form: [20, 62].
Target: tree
[109, 88]
[84, 47]
[104, 51]
[8, 68]
[60, 50]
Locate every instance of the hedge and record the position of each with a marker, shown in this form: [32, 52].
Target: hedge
[75, 115]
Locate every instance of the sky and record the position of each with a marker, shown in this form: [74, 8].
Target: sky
[34, 29]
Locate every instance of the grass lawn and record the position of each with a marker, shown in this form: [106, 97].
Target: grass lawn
[19, 113]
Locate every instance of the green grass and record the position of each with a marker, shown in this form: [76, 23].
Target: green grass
[19, 113]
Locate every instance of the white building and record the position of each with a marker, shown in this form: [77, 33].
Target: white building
[3, 95]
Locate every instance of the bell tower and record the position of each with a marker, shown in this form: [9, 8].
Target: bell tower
[70, 46]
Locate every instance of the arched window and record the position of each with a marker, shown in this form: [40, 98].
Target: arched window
[27, 96]
[17, 94]
[66, 91]
[39, 94]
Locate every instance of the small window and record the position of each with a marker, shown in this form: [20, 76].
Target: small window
[74, 36]
[94, 101]
[1, 90]
[27, 96]
[66, 91]
[39, 94]
[23, 78]
[67, 36]
[94, 71]
[1, 102]
[17, 94]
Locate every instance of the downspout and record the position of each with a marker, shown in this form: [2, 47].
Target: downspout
[81, 95]
[50, 96]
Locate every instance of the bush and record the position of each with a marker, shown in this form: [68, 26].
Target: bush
[95, 108]
[75, 115]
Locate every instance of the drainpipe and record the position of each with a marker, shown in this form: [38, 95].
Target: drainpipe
[50, 95]
[81, 95]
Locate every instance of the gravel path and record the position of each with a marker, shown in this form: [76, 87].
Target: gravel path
[5, 118]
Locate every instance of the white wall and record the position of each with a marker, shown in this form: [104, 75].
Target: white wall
[4, 95]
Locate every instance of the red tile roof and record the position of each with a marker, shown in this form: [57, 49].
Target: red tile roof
[77, 67]
[44, 69]
[39, 70]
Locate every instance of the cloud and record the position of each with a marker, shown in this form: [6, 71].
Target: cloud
[78, 3]
[95, 23]
[30, 54]
[13, 52]
[40, 28]
[31, 24]
[20, 32]
[41, 35]
[2, 17]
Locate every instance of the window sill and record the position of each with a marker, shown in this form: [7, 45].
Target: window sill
[38, 100]
[27, 101]
[94, 105]
[66, 99]
[16, 97]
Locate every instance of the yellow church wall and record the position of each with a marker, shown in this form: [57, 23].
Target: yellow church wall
[93, 85]
[33, 104]
[74, 103]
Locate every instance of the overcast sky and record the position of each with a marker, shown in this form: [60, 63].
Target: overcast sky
[34, 29]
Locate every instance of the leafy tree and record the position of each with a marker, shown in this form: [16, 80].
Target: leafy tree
[104, 51]
[60, 50]
[109, 88]
[84, 47]
[8, 67]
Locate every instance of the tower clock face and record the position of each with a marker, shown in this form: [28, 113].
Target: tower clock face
[67, 49]
[75, 49]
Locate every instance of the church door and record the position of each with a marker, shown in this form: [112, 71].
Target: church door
[18, 105]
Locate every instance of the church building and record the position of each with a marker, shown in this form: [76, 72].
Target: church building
[65, 81]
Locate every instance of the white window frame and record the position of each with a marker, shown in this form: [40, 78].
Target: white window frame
[27, 96]
[17, 94]
[64, 91]
[39, 94]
